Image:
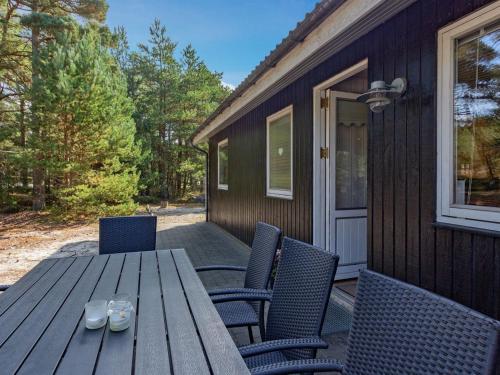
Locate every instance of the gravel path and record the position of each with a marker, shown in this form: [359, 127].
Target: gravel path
[28, 237]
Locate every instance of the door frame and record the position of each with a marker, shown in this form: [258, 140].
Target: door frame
[321, 196]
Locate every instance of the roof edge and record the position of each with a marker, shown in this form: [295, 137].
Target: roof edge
[311, 20]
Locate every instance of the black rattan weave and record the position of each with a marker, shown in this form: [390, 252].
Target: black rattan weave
[401, 329]
[127, 234]
[264, 246]
[258, 272]
[300, 296]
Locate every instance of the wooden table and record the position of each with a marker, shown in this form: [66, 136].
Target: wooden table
[176, 331]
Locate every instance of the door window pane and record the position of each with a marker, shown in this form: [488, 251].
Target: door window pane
[223, 164]
[280, 153]
[350, 162]
[477, 119]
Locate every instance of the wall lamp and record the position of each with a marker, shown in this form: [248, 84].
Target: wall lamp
[380, 94]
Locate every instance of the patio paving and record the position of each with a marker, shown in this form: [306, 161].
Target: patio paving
[207, 244]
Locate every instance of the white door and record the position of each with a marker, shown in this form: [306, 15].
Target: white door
[348, 121]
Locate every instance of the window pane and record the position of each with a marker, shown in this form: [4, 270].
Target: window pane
[477, 120]
[350, 163]
[280, 177]
[223, 164]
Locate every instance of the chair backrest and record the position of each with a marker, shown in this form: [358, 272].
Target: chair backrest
[125, 234]
[264, 246]
[301, 293]
[401, 329]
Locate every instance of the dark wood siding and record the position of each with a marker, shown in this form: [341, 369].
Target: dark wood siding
[402, 239]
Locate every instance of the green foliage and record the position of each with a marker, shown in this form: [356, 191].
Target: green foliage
[172, 97]
[103, 193]
[90, 124]
[89, 131]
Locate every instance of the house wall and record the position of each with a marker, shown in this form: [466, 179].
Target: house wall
[402, 239]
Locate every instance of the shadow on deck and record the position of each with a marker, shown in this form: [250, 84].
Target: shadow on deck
[207, 243]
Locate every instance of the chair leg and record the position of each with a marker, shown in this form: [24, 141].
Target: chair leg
[261, 322]
[250, 334]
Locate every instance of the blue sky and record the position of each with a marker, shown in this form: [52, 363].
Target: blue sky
[231, 36]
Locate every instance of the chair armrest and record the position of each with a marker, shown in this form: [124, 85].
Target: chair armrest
[258, 296]
[220, 268]
[215, 292]
[274, 345]
[3, 288]
[299, 366]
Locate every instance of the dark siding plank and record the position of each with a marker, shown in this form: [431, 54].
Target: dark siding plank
[428, 56]
[151, 350]
[388, 160]
[400, 154]
[463, 7]
[483, 271]
[413, 146]
[444, 262]
[186, 350]
[18, 346]
[118, 348]
[370, 162]
[377, 133]
[11, 319]
[83, 349]
[15, 291]
[462, 267]
[45, 356]
[222, 353]
[496, 285]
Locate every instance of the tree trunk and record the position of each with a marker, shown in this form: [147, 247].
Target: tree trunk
[22, 140]
[38, 170]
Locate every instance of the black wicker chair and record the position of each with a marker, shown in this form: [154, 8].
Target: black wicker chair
[401, 329]
[125, 234]
[298, 305]
[258, 272]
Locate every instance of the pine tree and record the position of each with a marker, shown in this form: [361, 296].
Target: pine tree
[89, 148]
[171, 97]
[43, 18]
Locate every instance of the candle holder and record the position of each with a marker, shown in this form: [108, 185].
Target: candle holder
[96, 314]
[119, 311]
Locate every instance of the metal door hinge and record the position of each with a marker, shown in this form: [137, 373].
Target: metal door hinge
[324, 153]
[324, 102]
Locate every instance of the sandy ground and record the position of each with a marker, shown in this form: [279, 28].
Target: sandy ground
[28, 237]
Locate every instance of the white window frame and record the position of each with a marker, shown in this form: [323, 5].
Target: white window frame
[279, 193]
[446, 211]
[224, 142]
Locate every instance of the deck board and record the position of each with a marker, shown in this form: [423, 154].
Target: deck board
[13, 293]
[216, 339]
[187, 352]
[13, 317]
[46, 354]
[119, 345]
[84, 346]
[152, 347]
[14, 351]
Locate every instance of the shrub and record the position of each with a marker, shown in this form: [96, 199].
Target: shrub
[102, 195]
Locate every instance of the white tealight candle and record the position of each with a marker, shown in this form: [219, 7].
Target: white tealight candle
[119, 311]
[96, 314]
[119, 320]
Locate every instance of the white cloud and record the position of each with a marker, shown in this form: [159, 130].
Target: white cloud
[228, 85]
